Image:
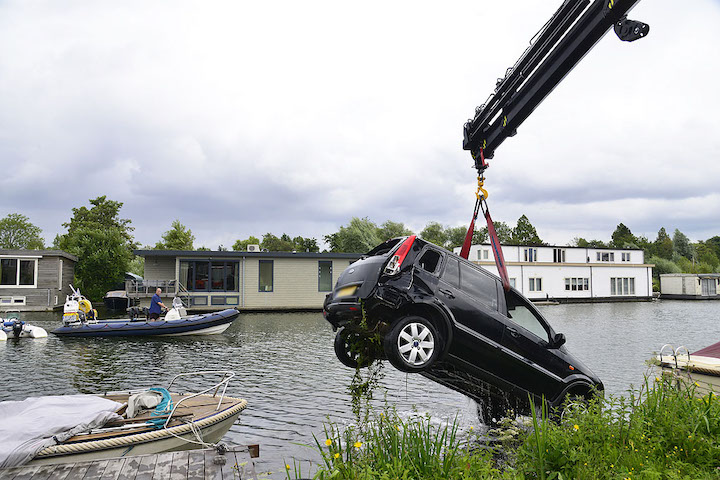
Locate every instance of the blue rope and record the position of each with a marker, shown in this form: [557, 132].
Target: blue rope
[163, 408]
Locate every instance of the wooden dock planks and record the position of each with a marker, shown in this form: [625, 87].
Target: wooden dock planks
[185, 465]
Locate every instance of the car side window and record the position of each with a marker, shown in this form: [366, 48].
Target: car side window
[430, 261]
[478, 285]
[452, 272]
[521, 314]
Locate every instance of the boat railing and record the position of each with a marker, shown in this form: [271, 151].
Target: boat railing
[672, 352]
[227, 375]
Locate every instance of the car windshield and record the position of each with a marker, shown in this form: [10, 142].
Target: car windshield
[521, 313]
[383, 248]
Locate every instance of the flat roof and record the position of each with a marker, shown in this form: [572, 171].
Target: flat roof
[38, 253]
[239, 254]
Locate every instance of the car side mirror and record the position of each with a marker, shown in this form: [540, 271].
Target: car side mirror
[558, 340]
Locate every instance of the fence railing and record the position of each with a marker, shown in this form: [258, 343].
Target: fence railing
[147, 287]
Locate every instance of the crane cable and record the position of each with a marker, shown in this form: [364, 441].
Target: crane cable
[481, 196]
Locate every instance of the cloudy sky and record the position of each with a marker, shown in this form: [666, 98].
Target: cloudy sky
[240, 118]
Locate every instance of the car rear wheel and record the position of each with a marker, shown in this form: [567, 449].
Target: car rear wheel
[413, 344]
[352, 349]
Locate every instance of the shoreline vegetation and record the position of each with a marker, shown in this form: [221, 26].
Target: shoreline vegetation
[659, 431]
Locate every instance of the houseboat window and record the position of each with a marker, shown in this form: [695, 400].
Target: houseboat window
[559, 255]
[483, 254]
[622, 286]
[15, 272]
[512, 282]
[575, 284]
[531, 254]
[324, 275]
[535, 284]
[626, 256]
[204, 275]
[605, 256]
[202, 270]
[265, 278]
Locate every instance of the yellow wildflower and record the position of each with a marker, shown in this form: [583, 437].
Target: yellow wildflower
[576, 427]
[328, 442]
[337, 455]
[357, 444]
[287, 467]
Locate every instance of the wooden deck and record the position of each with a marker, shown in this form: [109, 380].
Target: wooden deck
[186, 465]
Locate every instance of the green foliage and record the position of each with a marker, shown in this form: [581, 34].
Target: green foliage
[391, 229]
[103, 259]
[524, 233]
[286, 244]
[503, 230]
[663, 245]
[386, 446]
[681, 244]
[103, 243]
[137, 265]
[456, 236]
[435, 233]
[179, 237]
[658, 432]
[706, 254]
[714, 244]
[622, 236]
[241, 245]
[16, 232]
[359, 236]
[663, 266]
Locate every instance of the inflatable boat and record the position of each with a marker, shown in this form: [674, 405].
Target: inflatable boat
[80, 320]
[13, 327]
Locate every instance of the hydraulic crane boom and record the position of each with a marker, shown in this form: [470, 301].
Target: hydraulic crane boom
[560, 45]
[570, 33]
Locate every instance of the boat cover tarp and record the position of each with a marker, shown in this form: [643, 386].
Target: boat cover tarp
[35, 423]
[711, 351]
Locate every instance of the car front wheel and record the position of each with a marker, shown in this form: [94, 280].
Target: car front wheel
[413, 344]
[353, 349]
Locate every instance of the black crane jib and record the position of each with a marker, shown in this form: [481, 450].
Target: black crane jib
[560, 45]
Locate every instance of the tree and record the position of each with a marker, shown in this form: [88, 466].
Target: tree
[103, 243]
[706, 254]
[391, 229]
[524, 233]
[303, 244]
[663, 245]
[359, 236]
[178, 237]
[241, 245]
[681, 244]
[714, 243]
[274, 244]
[663, 266]
[622, 236]
[16, 232]
[456, 236]
[503, 230]
[435, 233]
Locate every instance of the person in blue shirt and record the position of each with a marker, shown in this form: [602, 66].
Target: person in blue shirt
[155, 305]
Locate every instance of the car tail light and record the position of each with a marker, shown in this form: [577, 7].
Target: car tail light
[393, 266]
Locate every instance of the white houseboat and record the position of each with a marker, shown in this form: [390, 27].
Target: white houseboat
[572, 274]
[690, 286]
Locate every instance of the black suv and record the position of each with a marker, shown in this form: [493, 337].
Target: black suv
[446, 318]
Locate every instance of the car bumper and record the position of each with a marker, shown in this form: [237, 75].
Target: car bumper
[340, 314]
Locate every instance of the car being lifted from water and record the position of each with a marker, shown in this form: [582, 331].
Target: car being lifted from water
[427, 310]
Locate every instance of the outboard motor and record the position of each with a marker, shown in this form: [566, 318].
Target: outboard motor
[17, 328]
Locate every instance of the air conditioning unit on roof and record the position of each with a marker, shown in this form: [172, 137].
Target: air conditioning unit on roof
[253, 248]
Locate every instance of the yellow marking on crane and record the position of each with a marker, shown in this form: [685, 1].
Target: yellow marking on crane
[611, 3]
[505, 121]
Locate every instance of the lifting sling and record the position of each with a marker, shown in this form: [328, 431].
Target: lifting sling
[481, 204]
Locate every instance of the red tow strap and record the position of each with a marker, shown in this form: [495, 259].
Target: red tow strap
[492, 234]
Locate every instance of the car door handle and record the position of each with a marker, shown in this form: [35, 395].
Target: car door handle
[447, 293]
[513, 332]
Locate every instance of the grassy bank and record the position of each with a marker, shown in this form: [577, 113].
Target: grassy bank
[661, 432]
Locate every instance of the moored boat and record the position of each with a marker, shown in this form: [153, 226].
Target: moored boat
[116, 300]
[128, 423]
[80, 320]
[699, 370]
[13, 327]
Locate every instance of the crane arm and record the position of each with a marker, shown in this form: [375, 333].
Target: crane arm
[570, 33]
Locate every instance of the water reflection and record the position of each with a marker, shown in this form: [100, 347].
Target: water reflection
[287, 370]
